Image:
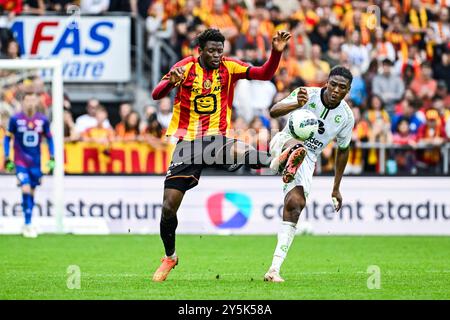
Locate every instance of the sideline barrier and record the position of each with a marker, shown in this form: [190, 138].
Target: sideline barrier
[236, 205]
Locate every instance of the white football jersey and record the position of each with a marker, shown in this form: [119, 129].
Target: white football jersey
[333, 123]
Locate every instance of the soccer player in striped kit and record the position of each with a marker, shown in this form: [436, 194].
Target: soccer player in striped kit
[28, 128]
[201, 121]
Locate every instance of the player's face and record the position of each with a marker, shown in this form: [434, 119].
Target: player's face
[337, 89]
[212, 54]
[30, 103]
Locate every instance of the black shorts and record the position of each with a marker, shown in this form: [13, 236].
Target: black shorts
[190, 157]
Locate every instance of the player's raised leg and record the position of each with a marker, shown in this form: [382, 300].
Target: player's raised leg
[168, 225]
[294, 202]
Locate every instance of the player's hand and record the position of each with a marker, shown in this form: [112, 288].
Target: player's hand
[9, 165]
[176, 75]
[51, 165]
[337, 200]
[302, 96]
[280, 40]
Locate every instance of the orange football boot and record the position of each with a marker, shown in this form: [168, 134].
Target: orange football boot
[164, 269]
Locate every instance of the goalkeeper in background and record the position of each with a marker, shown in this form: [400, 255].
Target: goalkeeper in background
[28, 127]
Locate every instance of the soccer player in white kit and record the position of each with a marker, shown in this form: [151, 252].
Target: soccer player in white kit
[335, 122]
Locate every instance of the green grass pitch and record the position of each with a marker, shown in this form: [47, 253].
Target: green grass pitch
[224, 267]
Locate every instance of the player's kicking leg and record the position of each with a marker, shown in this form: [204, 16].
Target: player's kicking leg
[294, 202]
[168, 225]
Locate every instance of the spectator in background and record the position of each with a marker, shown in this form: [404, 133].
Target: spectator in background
[11, 7]
[123, 6]
[184, 22]
[130, 131]
[442, 67]
[124, 111]
[424, 86]
[164, 114]
[89, 119]
[357, 52]
[12, 50]
[388, 86]
[35, 7]
[417, 20]
[99, 133]
[361, 133]
[409, 113]
[153, 132]
[6, 111]
[159, 25]
[405, 159]
[94, 6]
[253, 38]
[447, 129]
[358, 93]
[59, 6]
[321, 35]
[441, 27]
[70, 134]
[382, 49]
[380, 130]
[240, 129]
[431, 133]
[252, 97]
[332, 56]
[222, 20]
[314, 71]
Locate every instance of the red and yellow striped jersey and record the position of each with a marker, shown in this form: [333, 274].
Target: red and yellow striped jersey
[203, 103]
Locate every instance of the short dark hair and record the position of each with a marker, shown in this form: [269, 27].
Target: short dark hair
[341, 71]
[388, 62]
[209, 35]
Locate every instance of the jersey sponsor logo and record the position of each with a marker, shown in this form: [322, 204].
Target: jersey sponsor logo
[321, 129]
[206, 104]
[313, 143]
[21, 122]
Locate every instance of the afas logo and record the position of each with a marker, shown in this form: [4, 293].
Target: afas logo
[229, 210]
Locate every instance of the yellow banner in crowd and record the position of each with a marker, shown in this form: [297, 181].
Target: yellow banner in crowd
[117, 158]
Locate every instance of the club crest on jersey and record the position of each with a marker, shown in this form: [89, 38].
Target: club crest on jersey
[312, 105]
[207, 84]
[338, 118]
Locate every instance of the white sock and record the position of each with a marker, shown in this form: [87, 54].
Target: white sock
[285, 237]
[173, 256]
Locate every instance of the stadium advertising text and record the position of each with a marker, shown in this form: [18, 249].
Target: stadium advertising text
[133, 204]
[89, 46]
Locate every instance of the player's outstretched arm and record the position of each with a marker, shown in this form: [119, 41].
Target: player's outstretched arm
[174, 78]
[267, 70]
[341, 162]
[295, 100]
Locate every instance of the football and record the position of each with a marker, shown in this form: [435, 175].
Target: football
[303, 124]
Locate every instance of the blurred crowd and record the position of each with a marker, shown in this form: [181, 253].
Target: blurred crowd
[398, 52]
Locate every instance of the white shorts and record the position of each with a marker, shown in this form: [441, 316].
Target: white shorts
[305, 172]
